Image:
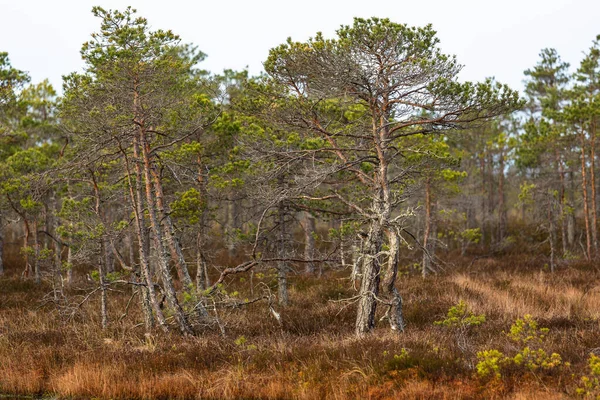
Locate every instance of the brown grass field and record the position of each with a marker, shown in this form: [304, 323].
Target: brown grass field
[313, 354]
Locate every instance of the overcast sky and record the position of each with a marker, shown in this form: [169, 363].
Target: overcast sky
[490, 38]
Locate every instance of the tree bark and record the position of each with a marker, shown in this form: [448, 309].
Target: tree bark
[561, 203]
[163, 256]
[369, 285]
[426, 265]
[282, 268]
[309, 242]
[593, 187]
[395, 316]
[36, 253]
[501, 198]
[584, 186]
[169, 232]
[136, 199]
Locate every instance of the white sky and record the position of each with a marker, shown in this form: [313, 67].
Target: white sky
[499, 39]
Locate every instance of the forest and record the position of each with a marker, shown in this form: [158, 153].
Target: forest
[355, 222]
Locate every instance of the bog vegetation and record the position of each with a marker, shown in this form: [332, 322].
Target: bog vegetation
[167, 232]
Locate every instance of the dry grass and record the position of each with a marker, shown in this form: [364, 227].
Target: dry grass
[313, 354]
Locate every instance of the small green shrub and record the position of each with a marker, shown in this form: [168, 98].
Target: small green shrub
[460, 317]
[591, 383]
[490, 362]
[532, 357]
[525, 331]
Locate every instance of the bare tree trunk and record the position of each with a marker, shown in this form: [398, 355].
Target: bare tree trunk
[593, 186]
[232, 225]
[136, 198]
[36, 253]
[309, 242]
[202, 270]
[484, 211]
[202, 278]
[426, 266]
[169, 232]
[102, 268]
[561, 204]
[57, 282]
[395, 316]
[584, 186]
[501, 199]
[282, 268]
[552, 232]
[369, 285]
[571, 213]
[491, 204]
[163, 256]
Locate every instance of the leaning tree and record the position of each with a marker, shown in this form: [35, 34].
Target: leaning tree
[363, 93]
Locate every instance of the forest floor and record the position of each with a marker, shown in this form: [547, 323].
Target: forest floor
[312, 353]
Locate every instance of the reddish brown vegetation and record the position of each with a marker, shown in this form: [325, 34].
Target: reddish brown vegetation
[314, 354]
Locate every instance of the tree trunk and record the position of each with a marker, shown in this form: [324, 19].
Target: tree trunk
[593, 186]
[369, 285]
[36, 253]
[584, 186]
[561, 201]
[426, 266]
[57, 282]
[282, 268]
[136, 199]
[551, 232]
[484, 211]
[169, 232]
[501, 199]
[163, 256]
[103, 267]
[571, 213]
[309, 242]
[202, 278]
[395, 311]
